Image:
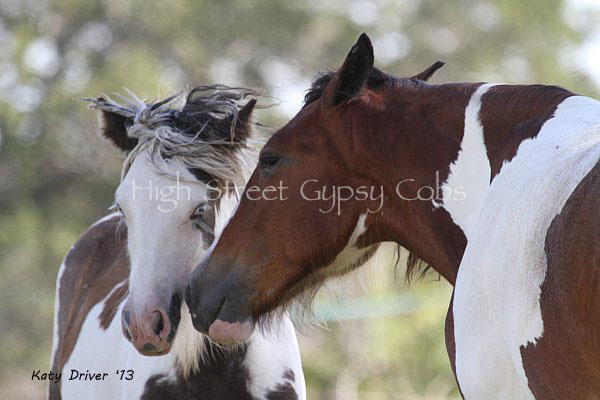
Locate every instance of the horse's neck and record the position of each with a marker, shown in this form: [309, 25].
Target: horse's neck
[471, 132]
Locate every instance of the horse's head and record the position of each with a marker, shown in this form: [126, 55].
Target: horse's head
[312, 208]
[182, 160]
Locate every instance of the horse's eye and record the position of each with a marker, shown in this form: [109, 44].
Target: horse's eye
[199, 211]
[268, 161]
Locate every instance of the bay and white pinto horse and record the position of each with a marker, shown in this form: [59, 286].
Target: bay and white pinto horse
[119, 289]
[496, 187]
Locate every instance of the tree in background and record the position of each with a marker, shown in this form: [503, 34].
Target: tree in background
[57, 177]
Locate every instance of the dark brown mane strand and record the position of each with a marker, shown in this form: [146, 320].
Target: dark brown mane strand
[416, 269]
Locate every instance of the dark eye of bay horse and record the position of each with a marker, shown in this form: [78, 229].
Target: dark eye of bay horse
[322, 196]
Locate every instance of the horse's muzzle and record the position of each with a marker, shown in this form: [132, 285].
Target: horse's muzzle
[218, 307]
[152, 332]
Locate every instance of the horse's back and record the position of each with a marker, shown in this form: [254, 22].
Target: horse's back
[92, 268]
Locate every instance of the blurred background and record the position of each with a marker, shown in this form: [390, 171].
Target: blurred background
[57, 176]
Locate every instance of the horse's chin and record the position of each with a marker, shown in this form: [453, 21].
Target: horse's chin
[162, 352]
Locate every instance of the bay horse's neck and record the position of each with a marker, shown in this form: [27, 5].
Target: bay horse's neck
[453, 135]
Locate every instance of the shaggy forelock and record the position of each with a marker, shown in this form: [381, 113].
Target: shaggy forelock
[196, 127]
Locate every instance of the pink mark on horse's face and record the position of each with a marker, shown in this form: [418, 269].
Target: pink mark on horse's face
[236, 332]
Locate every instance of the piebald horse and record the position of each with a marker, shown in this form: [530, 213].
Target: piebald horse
[120, 288]
[496, 187]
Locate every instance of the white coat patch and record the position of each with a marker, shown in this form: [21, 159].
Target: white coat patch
[269, 356]
[99, 350]
[471, 171]
[496, 301]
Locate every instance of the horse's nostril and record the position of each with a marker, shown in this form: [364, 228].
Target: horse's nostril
[158, 323]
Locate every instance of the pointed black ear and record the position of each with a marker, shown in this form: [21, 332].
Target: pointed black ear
[426, 74]
[113, 127]
[243, 123]
[353, 75]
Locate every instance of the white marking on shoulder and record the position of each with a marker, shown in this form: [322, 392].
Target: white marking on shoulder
[497, 294]
[469, 179]
[269, 357]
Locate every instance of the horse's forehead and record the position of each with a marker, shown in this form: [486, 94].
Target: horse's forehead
[153, 181]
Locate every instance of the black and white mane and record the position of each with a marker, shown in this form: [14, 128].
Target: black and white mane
[200, 127]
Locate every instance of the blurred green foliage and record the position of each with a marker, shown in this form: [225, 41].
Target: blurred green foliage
[57, 177]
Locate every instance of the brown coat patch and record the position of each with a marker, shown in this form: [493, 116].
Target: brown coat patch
[565, 362]
[93, 267]
[512, 113]
[111, 305]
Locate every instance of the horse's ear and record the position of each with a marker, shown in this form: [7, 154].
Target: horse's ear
[113, 127]
[243, 123]
[427, 73]
[353, 75]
